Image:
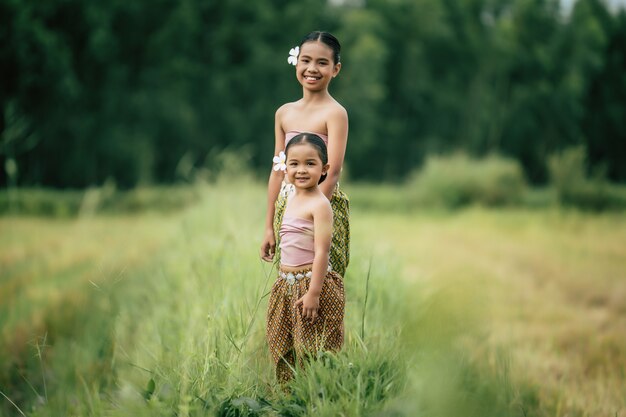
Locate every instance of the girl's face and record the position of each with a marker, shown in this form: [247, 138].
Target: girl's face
[315, 67]
[304, 166]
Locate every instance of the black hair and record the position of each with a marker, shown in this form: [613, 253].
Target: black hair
[327, 39]
[316, 141]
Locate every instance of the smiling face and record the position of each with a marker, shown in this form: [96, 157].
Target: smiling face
[315, 66]
[304, 166]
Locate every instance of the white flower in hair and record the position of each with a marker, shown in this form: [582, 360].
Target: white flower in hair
[279, 162]
[293, 55]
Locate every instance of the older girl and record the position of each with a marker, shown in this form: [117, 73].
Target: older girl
[317, 62]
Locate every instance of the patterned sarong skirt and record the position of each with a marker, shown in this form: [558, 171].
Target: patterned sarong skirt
[340, 245]
[291, 337]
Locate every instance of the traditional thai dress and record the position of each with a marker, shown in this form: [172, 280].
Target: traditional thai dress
[291, 337]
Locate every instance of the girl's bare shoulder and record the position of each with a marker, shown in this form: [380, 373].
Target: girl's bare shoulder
[321, 205]
[337, 108]
[336, 113]
[287, 107]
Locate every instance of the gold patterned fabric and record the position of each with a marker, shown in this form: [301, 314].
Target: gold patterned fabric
[340, 245]
[290, 336]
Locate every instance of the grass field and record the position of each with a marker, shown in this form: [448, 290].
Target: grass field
[467, 313]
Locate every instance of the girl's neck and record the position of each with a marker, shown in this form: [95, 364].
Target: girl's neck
[306, 192]
[309, 96]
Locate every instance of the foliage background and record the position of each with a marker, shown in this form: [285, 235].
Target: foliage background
[148, 92]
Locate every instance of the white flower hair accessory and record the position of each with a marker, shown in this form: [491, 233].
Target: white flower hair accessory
[293, 55]
[279, 162]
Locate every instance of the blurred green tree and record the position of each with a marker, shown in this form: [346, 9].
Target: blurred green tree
[604, 121]
[132, 91]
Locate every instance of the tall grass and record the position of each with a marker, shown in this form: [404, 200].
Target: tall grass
[203, 347]
[523, 296]
[160, 315]
[184, 333]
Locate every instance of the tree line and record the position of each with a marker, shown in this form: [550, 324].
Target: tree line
[146, 91]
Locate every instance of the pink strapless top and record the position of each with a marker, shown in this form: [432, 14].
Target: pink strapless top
[290, 135]
[296, 241]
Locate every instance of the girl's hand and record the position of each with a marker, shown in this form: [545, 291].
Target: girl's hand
[268, 247]
[310, 305]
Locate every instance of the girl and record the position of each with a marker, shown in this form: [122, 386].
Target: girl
[306, 304]
[317, 63]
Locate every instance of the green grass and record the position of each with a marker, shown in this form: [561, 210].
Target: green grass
[474, 313]
[101, 200]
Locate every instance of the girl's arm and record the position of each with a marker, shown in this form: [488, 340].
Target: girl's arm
[268, 247]
[322, 229]
[337, 126]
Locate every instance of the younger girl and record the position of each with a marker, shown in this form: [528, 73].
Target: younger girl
[306, 304]
[317, 61]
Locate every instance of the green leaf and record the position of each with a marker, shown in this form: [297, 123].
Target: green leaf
[149, 389]
[250, 402]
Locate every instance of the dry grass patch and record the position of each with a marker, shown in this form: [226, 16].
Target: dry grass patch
[548, 286]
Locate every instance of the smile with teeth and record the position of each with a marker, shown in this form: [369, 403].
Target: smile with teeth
[311, 78]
